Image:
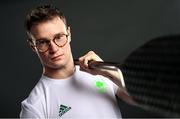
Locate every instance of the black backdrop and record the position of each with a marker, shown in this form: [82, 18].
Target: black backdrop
[112, 29]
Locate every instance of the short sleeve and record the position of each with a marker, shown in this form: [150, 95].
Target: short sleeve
[29, 111]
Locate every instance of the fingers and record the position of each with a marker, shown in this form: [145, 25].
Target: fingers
[84, 60]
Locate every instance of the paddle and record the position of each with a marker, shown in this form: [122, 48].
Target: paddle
[152, 75]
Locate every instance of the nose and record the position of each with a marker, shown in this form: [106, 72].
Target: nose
[53, 47]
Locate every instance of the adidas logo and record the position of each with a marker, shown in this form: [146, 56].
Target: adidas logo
[63, 109]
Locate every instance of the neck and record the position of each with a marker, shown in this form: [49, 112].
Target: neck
[60, 73]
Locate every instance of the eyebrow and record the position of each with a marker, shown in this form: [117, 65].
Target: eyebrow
[55, 35]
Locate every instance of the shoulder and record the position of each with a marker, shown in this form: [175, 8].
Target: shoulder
[97, 78]
[37, 95]
[37, 92]
[79, 73]
[33, 104]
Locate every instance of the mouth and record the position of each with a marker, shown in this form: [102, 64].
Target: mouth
[58, 57]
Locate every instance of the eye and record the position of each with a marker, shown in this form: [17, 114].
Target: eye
[59, 36]
[42, 42]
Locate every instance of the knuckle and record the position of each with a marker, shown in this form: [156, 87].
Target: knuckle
[91, 52]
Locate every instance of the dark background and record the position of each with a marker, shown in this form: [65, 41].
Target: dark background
[113, 29]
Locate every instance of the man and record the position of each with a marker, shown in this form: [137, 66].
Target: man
[66, 90]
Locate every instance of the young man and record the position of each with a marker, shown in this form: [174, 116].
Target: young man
[66, 90]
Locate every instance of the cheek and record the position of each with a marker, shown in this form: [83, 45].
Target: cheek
[67, 50]
[43, 57]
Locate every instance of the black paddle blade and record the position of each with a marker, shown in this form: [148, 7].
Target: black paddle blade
[152, 75]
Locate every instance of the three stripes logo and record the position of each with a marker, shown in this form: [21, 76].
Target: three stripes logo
[63, 109]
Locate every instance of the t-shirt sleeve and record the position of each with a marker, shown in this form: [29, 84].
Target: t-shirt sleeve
[29, 111]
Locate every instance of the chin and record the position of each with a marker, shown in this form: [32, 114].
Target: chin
[58, 64]
[55, 65]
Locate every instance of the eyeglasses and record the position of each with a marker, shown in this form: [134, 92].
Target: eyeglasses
[43, 44]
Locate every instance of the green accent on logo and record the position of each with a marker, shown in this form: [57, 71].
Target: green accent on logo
[100, 85]
[63, 109]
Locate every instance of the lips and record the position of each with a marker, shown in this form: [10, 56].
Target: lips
[58, 57]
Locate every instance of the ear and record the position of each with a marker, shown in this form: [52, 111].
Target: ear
[32, 45]
[69, 32]
[30, 42]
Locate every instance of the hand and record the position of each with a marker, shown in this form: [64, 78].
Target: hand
[92, 56]
[84, 62]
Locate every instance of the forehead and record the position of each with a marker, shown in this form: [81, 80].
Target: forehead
[48, 28]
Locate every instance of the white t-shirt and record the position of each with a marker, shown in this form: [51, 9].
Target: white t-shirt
[80, 96]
